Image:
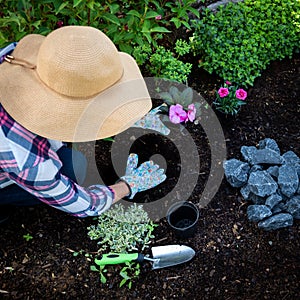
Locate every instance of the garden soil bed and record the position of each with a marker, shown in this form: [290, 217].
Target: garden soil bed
[234, 259]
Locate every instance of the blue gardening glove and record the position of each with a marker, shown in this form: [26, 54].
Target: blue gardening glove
[144, 177]
[152, 121]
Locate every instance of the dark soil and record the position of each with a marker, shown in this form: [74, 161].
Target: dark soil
[234, 259]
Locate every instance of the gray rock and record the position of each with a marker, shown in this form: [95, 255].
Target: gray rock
[297, 167]
[293, 206]
[288, 180]
[249, 196]
[291, 158]
[257, 199]
[273, 200]
[273, 171]
[266, 156]
[245, 192]
[268, 143]
[276, 221]
[257, 213]
[262, 184]
[256, 168]
[236, 172]
[277, 209]
[248, 152]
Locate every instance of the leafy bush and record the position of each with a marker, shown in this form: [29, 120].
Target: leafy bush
[128, 23]
[241, 39]
[164, 63]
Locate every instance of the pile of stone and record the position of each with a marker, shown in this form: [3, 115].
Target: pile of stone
[269, 181]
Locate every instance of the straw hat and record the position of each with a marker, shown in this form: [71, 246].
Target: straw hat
[73, 85]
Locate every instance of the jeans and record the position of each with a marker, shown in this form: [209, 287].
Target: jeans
[74, 165]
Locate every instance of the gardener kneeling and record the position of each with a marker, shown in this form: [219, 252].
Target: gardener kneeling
[71, 86]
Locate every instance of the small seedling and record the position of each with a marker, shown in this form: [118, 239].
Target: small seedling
[130, 271]
[101, 270]
[27, 237]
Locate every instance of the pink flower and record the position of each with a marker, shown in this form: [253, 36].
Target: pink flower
[59, 24]
[228, 82]
[191, 114]
[177, 114]
[223, 92]
[241, 94]
[158, 17]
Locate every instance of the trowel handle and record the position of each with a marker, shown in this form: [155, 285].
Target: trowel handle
[118, 258]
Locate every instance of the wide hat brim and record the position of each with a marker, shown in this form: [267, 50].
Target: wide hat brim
[52, 115]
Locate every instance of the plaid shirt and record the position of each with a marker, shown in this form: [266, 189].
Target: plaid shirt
[31, 162]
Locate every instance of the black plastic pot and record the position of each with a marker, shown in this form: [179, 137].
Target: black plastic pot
[183, 218]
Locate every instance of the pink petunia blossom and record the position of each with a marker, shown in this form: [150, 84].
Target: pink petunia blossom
[223, 92]
[191, 114]
[177, 114]
[158, 17]
[228, 82]
[241, 94]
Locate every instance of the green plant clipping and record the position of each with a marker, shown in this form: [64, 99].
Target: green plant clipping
[122, 230]
[241, 39]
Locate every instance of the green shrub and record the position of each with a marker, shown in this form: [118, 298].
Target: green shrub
[128, 23]
[164, 63]
[240, 40]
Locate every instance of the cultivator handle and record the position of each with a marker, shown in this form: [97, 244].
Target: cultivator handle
[118, 258]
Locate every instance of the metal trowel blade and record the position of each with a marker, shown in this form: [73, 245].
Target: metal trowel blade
[171, 255]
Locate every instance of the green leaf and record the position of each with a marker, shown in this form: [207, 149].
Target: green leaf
[174, 92]
[133, 12]
[76, 2]
[37, 24]
[122, 282]
[125, 47]
[114, 7]
[111, 18]
[148, 37]
[151, 14]
[94, 268]
[109, 139]
[61, 7]
[166, 97]
[176, 22]
[194, 11]
[186, 24]
[160, 29]
[102, 278]
[124, 275]
[146, 26]
[187, 95]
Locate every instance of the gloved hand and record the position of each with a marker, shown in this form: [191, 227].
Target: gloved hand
[144, 177]
[152, 121]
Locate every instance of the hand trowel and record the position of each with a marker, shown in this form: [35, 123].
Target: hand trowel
[162, 256]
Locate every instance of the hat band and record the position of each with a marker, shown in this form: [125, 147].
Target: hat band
[19, 61]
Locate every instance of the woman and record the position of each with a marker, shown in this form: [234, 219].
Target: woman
[73, 86]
